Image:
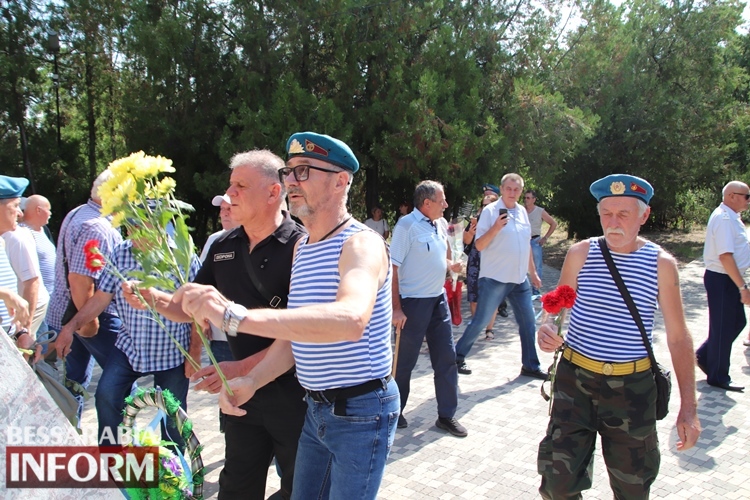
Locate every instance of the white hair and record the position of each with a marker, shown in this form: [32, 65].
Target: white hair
[101, 179]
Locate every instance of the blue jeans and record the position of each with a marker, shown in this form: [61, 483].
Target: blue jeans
[79, 363]
[491, 294]
[344, 456]
[429, 317]
[115, 385]
[536, 252]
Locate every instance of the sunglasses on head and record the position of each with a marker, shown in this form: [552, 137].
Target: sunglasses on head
[301, 172]
[746, 195]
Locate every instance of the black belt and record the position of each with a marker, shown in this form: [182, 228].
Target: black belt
[535, 236]
[332, 395]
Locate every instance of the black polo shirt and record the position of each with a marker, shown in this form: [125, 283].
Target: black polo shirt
[226, 268]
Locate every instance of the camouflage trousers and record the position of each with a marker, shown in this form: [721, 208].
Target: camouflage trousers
[620, 409]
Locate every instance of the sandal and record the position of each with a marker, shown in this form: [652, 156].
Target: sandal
[489, 335]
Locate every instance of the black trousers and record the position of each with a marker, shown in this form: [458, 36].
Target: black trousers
[271, 427]
[726, 320]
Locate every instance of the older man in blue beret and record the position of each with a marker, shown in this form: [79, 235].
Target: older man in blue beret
[604, 382]
[336, 329]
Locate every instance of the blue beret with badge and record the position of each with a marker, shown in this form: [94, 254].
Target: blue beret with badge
[622, 185]
[322, 147]
[12, 187]
[491, 187]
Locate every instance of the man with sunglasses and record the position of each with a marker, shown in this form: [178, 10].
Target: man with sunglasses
[726, 255]
[251, 265]
[336, 329]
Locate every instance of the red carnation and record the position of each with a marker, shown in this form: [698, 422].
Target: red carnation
[91, 249]
[94, 260]
[552, 302]
[567, 295]
[94, 264]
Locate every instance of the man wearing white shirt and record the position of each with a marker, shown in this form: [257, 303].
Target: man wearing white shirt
[502, 237]
[21, 251]
[225, 216]
[726, 255]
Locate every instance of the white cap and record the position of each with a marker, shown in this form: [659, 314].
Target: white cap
[220, 198]
[22, 206]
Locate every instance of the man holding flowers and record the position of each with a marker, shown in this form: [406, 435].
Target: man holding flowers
[74, 281]
[604, 383]
[337, 329]
[142, 347]
[251, 265]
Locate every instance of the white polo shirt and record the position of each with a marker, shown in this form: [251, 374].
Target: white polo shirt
[506, 258]
[726, 233]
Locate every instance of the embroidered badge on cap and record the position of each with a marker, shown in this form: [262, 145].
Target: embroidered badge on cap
[295, 148]
[223, 256]
[617, 188]
[311, 147]
[637, 189]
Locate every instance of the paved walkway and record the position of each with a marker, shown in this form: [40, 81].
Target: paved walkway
[506, 418]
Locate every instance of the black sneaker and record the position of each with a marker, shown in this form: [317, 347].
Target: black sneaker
[463, 368]
[539, 373]
[402, 423]
[451, 425]
[503, 310]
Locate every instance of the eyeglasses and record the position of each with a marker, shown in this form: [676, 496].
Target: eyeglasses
[746, 195]
[302, 172]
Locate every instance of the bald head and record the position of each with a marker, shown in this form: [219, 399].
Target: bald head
[37, 212]
[736, 196]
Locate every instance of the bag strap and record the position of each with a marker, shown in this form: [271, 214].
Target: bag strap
[63, 232]
[273, 301]
[627, 298]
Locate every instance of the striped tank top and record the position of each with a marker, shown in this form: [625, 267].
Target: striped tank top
[601, 326]
[8, 280]
[315, 280]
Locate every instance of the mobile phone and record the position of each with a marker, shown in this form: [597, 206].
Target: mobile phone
[501, 211]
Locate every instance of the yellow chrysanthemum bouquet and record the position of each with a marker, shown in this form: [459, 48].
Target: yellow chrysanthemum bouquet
[145, 204]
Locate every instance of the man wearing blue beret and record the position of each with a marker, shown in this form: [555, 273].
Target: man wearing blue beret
[726, 255]
[338, 325]
[604, 382]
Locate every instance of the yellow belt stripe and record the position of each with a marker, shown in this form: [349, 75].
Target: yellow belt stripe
[618, 369]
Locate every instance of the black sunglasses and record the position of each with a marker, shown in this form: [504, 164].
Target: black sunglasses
[302, 172]
[747, 196]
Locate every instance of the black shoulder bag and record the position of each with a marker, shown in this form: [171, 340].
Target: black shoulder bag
[662, 376]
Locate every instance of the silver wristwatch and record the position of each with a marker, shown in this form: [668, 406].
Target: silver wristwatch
[234, 313]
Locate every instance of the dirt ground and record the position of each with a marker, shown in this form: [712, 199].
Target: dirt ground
[686, 246]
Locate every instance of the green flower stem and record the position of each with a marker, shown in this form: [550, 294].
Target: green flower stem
[558, 322]
[155, 316]
[210, 353]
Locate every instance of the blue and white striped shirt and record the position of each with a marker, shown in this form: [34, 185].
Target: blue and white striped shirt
[85, 224]
[315, 280]
[7, 280]
[601, 326]
[148, 347]
[45, 250]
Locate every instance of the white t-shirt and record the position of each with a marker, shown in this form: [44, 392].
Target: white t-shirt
[380, 226]
[506, 258]
[209, 242]
[21, 249]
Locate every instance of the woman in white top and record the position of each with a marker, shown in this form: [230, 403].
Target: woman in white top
[536, 216]
[378, 223]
